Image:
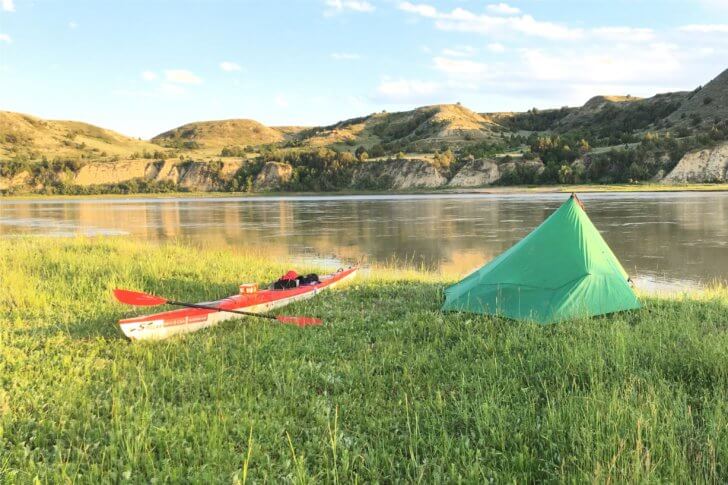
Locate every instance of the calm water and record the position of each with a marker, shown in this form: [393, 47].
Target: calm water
[665, 241]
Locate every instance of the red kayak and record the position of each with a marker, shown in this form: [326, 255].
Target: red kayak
[166, 324]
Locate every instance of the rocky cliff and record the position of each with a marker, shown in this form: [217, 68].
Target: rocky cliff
[476, 173]
[708, 165]
[207, 176]
[199, 176]
[398, 174]
[102, 173]
[273, 176]
[20, 181]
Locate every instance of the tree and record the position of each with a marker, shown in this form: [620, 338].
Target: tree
[565, 174]
[583, 146]
[376, 151]
[361, 153]
[444, 159]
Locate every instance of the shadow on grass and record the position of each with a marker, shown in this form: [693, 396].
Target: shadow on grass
[379, 303]
[103, 326]
[104, 323]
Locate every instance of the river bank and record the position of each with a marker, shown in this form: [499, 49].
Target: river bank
[520, 189]
[388, 389]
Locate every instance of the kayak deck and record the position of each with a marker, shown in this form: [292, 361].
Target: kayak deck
[185, 320]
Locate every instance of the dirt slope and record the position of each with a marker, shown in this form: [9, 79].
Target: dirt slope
[31, 137]
[215, 135]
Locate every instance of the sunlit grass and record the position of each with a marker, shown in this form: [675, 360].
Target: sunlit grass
[388, 390]
[646, 187]
[634, 187]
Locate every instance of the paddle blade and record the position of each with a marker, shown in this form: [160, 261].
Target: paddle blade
[300, 321]
[138, 299]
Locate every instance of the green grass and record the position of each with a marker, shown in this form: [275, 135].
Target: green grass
[388, 390]
[515, 189]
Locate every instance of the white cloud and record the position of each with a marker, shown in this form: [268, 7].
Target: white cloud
[503, 8]
[338, 6]
[580, 63]
[281, 101]
[149, 75]
[572, 73]
[532, 67]
[181, 76]
[229, 66]
[706, 28]
[462, 20]
[617, 65]
[6, 38]
[714, 4]
[7, 5]
[72, 25]
[623, 34]
[421, 9]
[345, 56]
[406, 90]
[460, 51]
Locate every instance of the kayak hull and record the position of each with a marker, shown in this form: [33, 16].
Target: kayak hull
[167, 324]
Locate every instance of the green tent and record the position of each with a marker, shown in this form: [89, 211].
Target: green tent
[563, 269]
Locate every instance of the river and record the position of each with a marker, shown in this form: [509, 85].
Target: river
[666, 241]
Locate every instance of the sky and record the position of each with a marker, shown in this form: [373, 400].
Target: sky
[143, 67]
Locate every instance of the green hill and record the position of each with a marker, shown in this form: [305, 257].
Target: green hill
[423, 129]
[705, 104]
[27, 137]
[610, 139]
[210, 137]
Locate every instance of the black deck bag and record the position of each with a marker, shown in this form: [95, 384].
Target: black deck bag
[309, 279]
[285, 284]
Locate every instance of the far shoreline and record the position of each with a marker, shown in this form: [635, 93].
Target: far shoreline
[495, 190]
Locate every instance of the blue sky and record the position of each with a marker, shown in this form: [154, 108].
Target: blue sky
[142, 67]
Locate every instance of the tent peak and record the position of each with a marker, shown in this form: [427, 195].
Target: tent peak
[578, 201]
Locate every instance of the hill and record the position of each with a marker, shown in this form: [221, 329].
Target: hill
[212, 136]
[423, 129]
[610, 139]
[593, 108]
[604, 118]
[705, 104]
[28, 137]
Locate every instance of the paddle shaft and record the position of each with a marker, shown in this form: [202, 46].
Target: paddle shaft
[142, 299]
[218, 309]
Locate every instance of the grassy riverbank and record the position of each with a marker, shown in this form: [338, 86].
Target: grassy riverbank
[516, 189]
[388, 390]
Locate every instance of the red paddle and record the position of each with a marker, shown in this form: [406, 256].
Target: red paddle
[142, 299]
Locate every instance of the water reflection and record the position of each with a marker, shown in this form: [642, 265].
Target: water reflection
[665, 240]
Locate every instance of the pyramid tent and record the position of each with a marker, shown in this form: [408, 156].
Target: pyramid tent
[563, 269]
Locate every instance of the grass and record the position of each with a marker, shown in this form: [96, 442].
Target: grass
[518, 189]
[646, 187]
[388, 390]
[65, 139]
